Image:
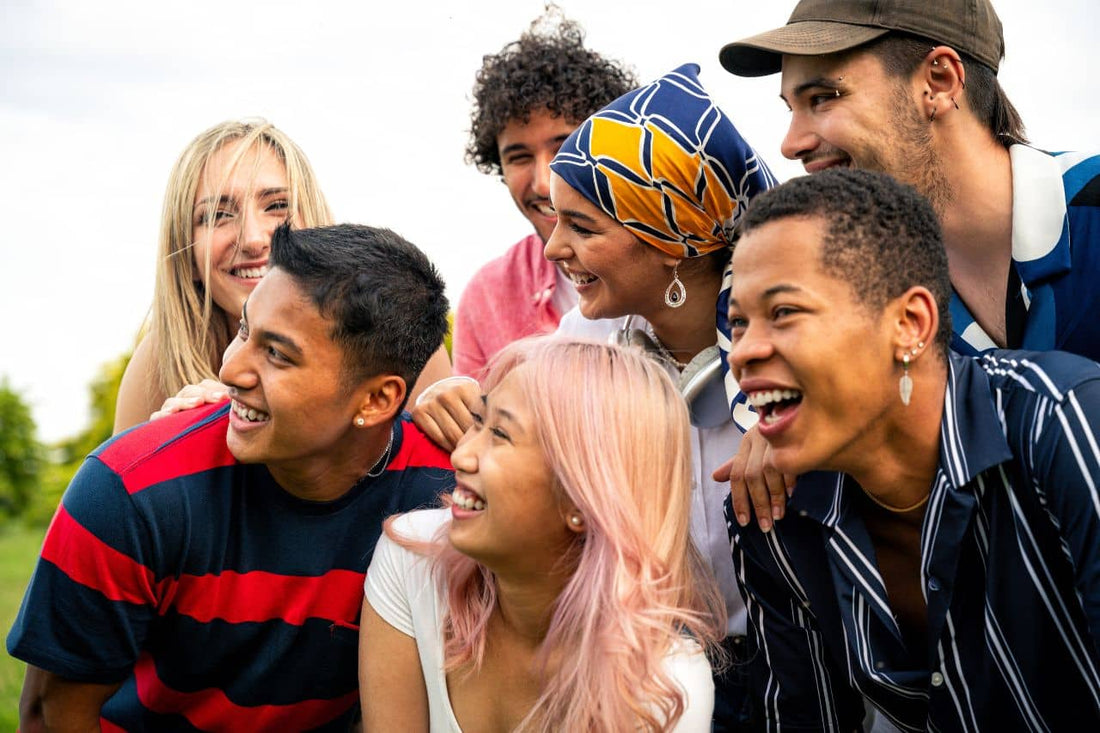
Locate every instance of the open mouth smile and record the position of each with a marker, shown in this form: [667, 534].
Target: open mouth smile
[774, 404]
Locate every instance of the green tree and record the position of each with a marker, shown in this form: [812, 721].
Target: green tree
[67, 455]
[20, 453]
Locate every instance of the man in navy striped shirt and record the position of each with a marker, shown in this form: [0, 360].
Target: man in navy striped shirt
[940, 557]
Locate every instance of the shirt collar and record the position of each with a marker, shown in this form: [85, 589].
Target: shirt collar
[971, 440]
[1040, 226]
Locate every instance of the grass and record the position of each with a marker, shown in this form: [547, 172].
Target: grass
[19, 548]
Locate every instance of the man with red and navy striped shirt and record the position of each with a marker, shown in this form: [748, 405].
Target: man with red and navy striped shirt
[205, 572]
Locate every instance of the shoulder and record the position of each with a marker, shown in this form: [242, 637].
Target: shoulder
[421, 525]
[182, 444]
[1047, 374]
[139, 392]
[690, 670]
[417, 449]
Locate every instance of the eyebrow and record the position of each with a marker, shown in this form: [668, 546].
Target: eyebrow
[226, 198]
[274, 337]
[770, 293]
[818, 81]
[576, 214]
[505, 414]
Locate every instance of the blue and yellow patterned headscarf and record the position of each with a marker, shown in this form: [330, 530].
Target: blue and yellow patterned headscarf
[668, 164]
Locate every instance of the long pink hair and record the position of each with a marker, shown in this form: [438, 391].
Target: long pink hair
[614, 431]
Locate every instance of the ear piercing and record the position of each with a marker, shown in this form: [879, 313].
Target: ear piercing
[905, 384]
[360, 422]
[575, 520]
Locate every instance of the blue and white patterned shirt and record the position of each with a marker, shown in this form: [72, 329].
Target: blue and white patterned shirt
[1010, 571]
[1056, 253]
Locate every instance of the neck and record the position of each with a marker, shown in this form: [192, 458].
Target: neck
[977, 221]
[687, 330]
[526, 602]
[895, 465]
[329, 475]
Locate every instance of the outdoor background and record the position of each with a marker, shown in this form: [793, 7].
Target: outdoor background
[98, 99]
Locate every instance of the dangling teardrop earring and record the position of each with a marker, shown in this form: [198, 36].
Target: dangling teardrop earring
[675, 294]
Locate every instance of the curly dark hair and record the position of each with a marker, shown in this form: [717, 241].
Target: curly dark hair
[547, 68]
[881, 236]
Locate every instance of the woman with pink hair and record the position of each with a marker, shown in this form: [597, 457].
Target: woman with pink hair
[560, 589]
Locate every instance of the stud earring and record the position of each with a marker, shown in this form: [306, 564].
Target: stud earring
[675, 294]
[360, 421]
[575, 520]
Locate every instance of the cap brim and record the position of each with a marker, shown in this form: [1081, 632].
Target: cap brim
[762, 54]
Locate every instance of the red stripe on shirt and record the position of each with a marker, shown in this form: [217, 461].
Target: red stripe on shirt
[88, 560]
[152, 452]
[211, 709]
[259, 596]
[418, 451]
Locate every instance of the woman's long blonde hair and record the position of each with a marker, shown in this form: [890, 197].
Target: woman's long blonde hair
[192, 331]
[615, 433]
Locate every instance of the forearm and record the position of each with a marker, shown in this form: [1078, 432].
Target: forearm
[51, 703]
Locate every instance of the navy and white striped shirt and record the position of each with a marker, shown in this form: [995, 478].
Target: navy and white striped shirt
[1010, 571]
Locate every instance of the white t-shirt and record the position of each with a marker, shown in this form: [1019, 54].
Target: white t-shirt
[401, 589]
[710, 448]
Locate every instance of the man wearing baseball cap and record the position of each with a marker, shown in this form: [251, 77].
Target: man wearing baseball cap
[910, 88]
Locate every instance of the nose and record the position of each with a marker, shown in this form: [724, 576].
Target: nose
[540, 182]
[236, 372]
[557, 249]
[464, 457]
[800, 139]
[748, 347]
[255, 234]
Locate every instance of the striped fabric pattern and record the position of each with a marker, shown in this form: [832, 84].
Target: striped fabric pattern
[1010, 570]
[218, 600]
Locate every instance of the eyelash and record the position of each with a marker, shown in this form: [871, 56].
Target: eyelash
[581, 230]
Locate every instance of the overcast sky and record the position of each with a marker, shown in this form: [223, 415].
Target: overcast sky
[98, 99]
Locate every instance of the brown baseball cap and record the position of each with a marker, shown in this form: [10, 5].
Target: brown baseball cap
[828, 26]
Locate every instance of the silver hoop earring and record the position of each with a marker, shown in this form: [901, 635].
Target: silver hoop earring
[675, 294]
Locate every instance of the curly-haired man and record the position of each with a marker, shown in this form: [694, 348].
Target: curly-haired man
[527, 99]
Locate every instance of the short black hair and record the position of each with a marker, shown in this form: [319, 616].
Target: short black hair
[881, 236]
[547, 68]
[384, 296]
[901, 54]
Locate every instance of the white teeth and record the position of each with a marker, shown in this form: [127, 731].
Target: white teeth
[546, 210]
[249, 414]
[467, 499]
[759, 399]
[771, 418]
[579, 279]
[251, 273]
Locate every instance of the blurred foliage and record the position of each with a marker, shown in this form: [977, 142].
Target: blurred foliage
[65, 457]
[21, 455]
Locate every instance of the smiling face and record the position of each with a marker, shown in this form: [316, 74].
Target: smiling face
[615, 273]
[291, 404]
[814, 361]
[847, 111]
[507, 511]
[237, 207]
[525, 154]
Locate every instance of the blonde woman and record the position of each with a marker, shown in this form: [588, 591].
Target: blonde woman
[229, 189]
[560, 590]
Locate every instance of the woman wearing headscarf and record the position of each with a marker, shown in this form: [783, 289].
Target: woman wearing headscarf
[648, 192]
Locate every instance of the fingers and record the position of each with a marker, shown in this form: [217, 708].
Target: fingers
[208, 391]
[442, 412]
[755, 483]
